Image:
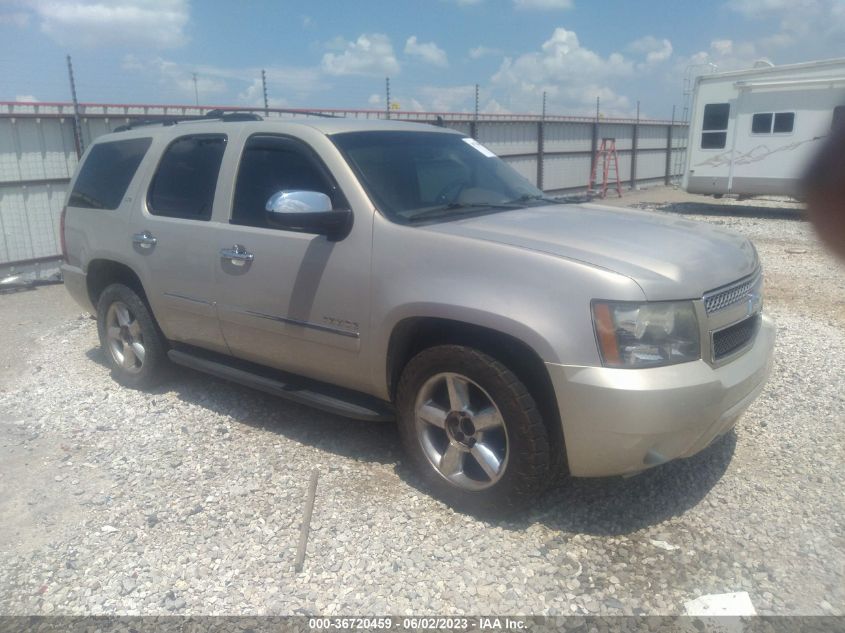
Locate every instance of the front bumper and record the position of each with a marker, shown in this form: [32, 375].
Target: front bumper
[622, 421]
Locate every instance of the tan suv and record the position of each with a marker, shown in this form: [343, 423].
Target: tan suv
[389, 269]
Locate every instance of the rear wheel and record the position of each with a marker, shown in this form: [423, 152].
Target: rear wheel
[132, 343]
[472, 430]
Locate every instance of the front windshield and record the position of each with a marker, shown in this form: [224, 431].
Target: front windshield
[418, 176]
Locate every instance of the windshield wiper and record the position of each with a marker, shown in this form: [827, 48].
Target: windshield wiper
[535, 198]
[460, 208]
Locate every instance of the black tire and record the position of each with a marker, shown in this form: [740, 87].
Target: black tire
[527, 466]
[153, 368]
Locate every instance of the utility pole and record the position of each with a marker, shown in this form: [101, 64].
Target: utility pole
[476, 102]
[264, 88]
[196, 90]
[77, 127]
[387, 91]
[598, 110]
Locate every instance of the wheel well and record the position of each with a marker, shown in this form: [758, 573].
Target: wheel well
[414, 335]
[104, 272]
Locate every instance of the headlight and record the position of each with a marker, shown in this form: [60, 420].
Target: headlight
[646, 334]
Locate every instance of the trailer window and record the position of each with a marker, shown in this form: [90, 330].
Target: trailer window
[714, 133]
[761, 123]
[773, 123]
[784, 122]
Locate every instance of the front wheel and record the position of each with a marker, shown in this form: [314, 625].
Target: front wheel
[133, 345]
[472, 430]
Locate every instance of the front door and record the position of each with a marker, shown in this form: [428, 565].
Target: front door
[291, 300]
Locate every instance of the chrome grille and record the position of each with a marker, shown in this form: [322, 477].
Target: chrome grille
[730, 295]
[734, 337]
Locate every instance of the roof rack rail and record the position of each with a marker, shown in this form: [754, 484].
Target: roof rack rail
[232, 115]
[317, 113]
[216, 114]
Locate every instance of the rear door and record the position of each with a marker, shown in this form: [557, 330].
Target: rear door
[301, 301]
[173, 242]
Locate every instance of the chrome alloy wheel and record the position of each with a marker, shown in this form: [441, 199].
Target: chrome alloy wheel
[461, 431]
[124, 338]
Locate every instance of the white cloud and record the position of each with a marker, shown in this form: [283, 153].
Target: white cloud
[26, 99]
[448, 99]
[655, 50]
[806, 29]
[572, 75]
[15, 18]
[253, 95]
[543, 5]
[285, 84]
[177, 78]
[375, 99]
[429, 52]
[370, 54]
[494, 107]
[483, 51]
[128, 23]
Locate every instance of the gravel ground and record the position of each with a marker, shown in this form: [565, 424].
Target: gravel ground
[188, 499]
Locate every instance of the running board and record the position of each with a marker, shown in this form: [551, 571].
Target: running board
[321, 396]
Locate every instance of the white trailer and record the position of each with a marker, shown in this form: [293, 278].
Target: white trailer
[753, 131]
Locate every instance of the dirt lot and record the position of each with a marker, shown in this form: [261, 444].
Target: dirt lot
[188, 499]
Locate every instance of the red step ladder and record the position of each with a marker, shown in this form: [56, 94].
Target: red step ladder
[606, 155]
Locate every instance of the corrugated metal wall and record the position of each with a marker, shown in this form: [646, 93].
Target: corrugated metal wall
[38, 156]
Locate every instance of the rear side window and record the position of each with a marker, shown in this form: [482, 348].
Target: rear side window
[106, 173]
[184, 183]
[714, 133]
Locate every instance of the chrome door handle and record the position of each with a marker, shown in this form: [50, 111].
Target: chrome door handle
[238, 255]
[144, 239]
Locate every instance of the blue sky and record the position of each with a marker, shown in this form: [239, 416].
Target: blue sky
[337, 54]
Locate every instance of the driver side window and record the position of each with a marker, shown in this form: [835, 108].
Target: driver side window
[269, 165]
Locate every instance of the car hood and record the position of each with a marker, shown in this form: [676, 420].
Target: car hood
[670, 258]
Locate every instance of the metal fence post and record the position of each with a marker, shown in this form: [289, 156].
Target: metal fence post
[635, 148]
[540, 154]
[669, 130]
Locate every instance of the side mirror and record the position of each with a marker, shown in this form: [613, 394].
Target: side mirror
[307, 212]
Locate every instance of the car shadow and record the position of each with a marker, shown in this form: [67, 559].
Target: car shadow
[613, 506]
[597, 506]
[363, 441]
[616, 505]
